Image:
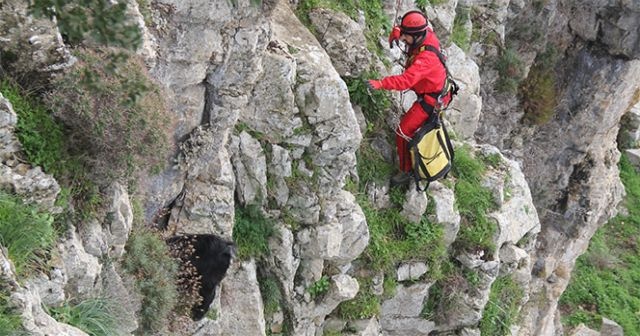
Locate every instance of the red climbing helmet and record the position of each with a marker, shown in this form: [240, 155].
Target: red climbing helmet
[413, 22]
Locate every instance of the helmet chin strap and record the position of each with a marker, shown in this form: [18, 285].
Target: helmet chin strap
[417, 42]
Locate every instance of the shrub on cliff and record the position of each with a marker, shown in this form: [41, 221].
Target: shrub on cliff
[115, 115]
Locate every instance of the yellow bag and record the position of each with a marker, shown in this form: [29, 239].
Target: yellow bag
[431, 152]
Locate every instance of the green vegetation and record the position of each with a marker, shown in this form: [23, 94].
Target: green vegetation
[114, 113]
[423, 4]
[460, 35]
[10, 320]
[365, 305]
[147, 258]
[510, 70]
[320, 287]
[100, 21]
[377, 22]
[44, 141]
[251, 232]
[42, 138]
[605, 280]
[375, 104]
[96, 317]
[271, 294]
[393, 239]
[538, 93]
[503, 307]
[435, 297]
[474, 201]
[27, 233]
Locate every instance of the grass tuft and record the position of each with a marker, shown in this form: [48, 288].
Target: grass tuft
[96, 316]
[606, 279]
[27, 233]
[115, 115]
[473, 201]
[252, 231]
[501, 312]
[10, 320]
[147, 258]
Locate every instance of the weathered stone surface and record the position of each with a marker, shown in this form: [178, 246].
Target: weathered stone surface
[30, 183]
[400, 315]
[583, 330]
[34, 44]
[240, 302]
[411, 271]
[446, 213]
[250, 169]
[119, 219]
[464, 111]
[206, 204]
[612, 23]
[343, 39]
[610, 328]
[517, 214]
[282, 260]
[569, 173]
[343, 288]
[81, 268]
[26, 301]
[415, 204]
[441, 17]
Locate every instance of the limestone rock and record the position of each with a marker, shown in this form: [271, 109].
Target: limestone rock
[446, 213]
[464, 111]
[583, 330]
[250, 169]
[609, 22]
[411, 271]
[240, 302]
[81, 268]
[344, 41]
[415, 204]
[610, 328]
[400, 315]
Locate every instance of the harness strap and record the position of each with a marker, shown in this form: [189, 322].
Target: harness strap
[449, 83]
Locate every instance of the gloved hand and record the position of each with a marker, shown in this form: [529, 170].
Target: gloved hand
[394, 36]
[373, 84]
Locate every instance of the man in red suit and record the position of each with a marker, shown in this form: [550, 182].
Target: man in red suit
[424, 73]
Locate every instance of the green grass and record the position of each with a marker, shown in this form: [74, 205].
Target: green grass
[319, 287]
[365, 305]
[376, 21]
[251, 232]
[375, 104]
[538, 91]
[394, 239]
[45, 143]
[474, 202]
[503, 307]
[10, 320]
[147, 258]
[103, 22]
[42, 138]
[423, 4]
[606, 279]
[510, 70]
[115, 115]
[27, 233]
[96, 317]
[271, 294]
[459, 33]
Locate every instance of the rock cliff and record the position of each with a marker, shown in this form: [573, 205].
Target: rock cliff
[266, 115]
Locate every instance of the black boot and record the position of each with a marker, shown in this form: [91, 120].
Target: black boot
[400, 179]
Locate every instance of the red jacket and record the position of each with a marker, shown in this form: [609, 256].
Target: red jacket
[424, 72]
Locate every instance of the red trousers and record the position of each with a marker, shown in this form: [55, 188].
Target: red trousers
[409, 124]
